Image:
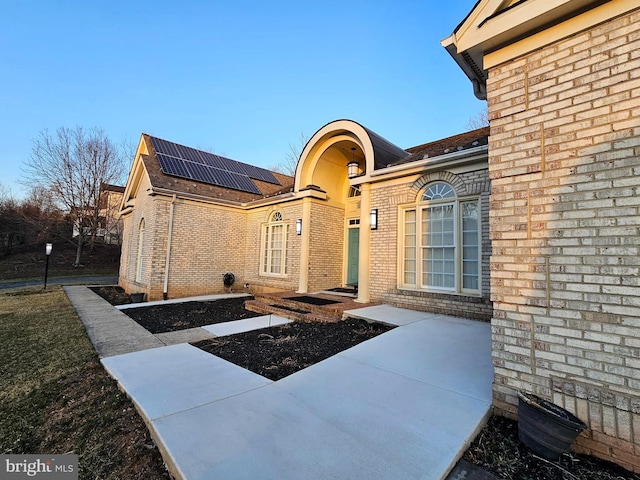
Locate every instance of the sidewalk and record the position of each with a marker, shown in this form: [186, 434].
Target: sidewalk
[402, 405]
[89, 280]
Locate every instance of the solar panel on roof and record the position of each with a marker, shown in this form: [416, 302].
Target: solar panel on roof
[187, 162]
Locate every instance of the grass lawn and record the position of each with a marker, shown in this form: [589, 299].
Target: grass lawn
[56, 398]
[27, 262]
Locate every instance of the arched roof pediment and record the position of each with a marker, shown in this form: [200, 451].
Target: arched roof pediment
[376, 151]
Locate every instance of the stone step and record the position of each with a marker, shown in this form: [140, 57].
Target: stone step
[292, 310]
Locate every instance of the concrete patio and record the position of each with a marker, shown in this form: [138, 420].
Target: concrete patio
[402, 405]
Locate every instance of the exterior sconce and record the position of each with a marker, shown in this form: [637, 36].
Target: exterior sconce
[373, 219]
[299, 226]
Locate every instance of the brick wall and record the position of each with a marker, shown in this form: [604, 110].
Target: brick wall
[327, 232]
[384, 242]
[256, 219]
[208, 241]
[564, 161]
[128, 259]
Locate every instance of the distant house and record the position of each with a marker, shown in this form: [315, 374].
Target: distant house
[191, 216]
[110, 225]
[107, 225]
[562, 81]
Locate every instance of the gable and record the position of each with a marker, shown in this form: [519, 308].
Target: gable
[493, 25]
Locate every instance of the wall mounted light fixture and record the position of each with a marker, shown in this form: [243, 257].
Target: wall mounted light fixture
[373, 219]
[299, 226]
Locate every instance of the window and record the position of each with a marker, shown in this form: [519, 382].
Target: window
[441, 242]
[274, 246]
[140, 251]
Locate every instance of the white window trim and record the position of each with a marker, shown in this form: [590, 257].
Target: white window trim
[417, 207]
[266, 252]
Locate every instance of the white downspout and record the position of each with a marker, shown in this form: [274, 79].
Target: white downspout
[168, 257]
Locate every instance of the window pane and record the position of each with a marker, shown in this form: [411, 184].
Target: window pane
[470, 246]
[276, 259]
[439, 267]
[409, 264]
[437, 191]
[276, 236]
[286, 250]
[265, 260]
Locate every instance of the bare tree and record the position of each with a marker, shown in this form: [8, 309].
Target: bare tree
[42, 219]
[72, 164]
[9, 220]
[290, 163]
[479, 120]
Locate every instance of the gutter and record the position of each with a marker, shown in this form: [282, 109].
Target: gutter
[283, 197]
[168, 256]
[461, 157]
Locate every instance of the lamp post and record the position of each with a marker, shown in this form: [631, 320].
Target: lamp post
[47, 250]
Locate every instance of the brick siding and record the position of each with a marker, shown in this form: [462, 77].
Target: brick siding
[256, 219]
[326, 247]
[564, 159]
[384, 242]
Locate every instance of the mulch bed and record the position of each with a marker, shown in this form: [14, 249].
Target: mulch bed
[180, 316]
[113, 294]
[274, 352]
[498, 450]
[277, 352]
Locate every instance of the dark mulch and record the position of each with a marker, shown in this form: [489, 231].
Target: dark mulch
[113, 294]
[277, 352]
[312, 300]
[498, 450]
[180, 316]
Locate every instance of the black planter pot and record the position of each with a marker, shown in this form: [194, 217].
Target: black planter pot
[137, 297]
[546, 428]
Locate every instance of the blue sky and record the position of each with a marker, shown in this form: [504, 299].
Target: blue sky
[240, 78]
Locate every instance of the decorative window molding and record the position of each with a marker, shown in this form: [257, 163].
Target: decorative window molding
[274, 253]
[440, 242]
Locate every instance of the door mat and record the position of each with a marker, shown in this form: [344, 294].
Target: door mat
[311, 300]
[342, 290]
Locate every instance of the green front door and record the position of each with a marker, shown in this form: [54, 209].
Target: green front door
[353, 256]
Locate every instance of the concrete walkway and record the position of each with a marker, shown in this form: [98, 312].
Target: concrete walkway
[403, 405]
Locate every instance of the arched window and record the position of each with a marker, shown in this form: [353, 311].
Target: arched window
[274, 246]
[140, 251]
[441, 242]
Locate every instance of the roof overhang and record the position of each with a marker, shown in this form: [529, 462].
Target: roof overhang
[495, 24]
[449, 160]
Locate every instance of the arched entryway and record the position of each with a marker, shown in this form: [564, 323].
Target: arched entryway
[335, 246]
